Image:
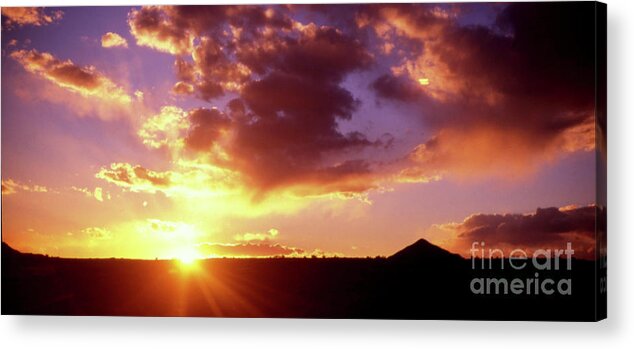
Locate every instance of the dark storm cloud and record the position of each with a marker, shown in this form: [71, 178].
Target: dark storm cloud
[285, 136]
[528, 79]
[537, 52]
[529, 228]
[207, 127]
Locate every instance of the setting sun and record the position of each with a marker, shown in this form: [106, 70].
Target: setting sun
[187, 257]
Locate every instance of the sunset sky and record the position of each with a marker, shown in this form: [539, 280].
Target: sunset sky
[353, 130]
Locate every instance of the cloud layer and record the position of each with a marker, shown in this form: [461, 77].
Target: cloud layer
[546, 228]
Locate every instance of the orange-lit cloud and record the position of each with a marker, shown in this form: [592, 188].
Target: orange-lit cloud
[185, 180]
[582, 136]
[257, 245]
[546, 228]
[248, 250]
[142, 238]
[257, 249]
[10, 186]
[235, 151]
[172, 29]
[183, 88]
[97, 233]
[152, 28]
[490, 151]
[98, 193]
[433, 64]
[136, 178]
[210, 72]
[36, 16]
[110, 39]
[269, 235]
[165, 129]
[168, 229]
[85, 81]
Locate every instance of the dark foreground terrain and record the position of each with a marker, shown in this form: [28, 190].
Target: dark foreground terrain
[419, 282]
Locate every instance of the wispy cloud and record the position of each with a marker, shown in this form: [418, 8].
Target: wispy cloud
[267, 236]
[86, 81]
[10, 186]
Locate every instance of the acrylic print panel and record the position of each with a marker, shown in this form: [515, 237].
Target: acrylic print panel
[399, 161]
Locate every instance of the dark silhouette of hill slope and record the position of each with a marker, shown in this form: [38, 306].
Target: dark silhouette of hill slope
[7, 251]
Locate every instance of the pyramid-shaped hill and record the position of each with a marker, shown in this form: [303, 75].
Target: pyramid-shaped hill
[422, 251]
